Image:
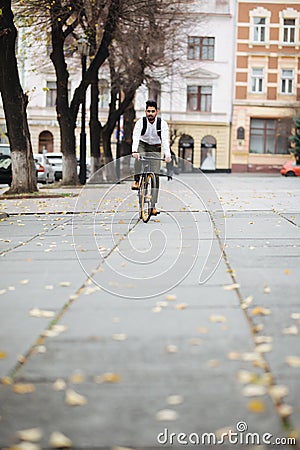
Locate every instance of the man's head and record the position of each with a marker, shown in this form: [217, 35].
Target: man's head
[151, 110]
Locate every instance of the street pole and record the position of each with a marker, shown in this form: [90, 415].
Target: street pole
[118, 155]
[82, 161]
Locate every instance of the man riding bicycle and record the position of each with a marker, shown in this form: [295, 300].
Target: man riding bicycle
[149, 135]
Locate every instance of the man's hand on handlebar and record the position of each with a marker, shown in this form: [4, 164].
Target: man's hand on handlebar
[168, 159]
[136, 155]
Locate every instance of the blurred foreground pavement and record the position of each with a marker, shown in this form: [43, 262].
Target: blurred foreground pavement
[107, 336]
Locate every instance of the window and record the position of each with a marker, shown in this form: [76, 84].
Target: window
[104, 93]
[287, 79]
[51, 94]
[154, 91]
[202, 48]
[259, 29]
[199, 98]
[270, 136]
[289, 30]
[257, 79]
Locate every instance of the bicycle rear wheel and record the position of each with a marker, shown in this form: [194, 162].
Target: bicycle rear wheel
[147, 191]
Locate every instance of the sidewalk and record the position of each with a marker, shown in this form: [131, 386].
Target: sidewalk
[91, 303]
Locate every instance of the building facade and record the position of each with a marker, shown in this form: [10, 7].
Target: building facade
[38, 80]
[267, 84]
[195, 96]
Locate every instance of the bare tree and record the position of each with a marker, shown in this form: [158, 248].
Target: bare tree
[15, 104]
[65, 19]
[140, 47]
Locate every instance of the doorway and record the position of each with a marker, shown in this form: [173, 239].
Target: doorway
[46, 142]
[208, 153]
[186, 153]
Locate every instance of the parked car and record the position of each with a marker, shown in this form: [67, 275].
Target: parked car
[55, 160]
[45, 170]
[5, 169]
[4, 149]
[290, 169]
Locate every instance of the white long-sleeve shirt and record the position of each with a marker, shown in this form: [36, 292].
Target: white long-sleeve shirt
[150, 137]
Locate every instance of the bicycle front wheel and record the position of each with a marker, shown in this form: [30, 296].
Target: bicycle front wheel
[147, 191]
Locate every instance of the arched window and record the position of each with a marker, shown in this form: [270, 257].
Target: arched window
[45, 141]
[186, 153]
[208, 153]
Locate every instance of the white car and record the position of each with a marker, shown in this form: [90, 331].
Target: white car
[56, 162]
[45, 171]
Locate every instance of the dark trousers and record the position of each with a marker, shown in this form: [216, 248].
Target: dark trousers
[149, 150]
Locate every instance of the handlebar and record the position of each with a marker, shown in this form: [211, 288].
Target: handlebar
[149, 158]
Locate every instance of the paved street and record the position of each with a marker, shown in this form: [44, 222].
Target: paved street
[117, 333]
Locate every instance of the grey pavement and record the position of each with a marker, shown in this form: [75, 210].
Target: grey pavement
[119, 312]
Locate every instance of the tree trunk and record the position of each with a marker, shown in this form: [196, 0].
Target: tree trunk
[128, 121]
[15, 104]
[126, 147]
[66, 119]
[95, 126]
[110, 171]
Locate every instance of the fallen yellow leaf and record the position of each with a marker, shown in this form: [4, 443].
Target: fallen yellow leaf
[256, 406]
[119, 337]
[25, 446]
[293, 330]
[32, 434]
[231, 287]
[263, 348]
[59, 385]
[284, 410]
[35, 312]
[54, 331]
[245, 377]
[175, 399]
[72, 398]
[254, 390]
[263, 339]
[76, 378]
[166, 415]
[23, 388]
[260, 311]
[59, 440]
[202, 330]
[293, 361]
[217, 319]
[277, 392]
[65, 283]
[3, 355]
[181, 306]
[171, 297]
[171, 348]
[108, 377]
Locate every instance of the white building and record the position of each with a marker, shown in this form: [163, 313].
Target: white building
[195, 95]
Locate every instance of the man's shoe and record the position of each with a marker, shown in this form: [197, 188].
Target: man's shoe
[135, 186]
[155, 212]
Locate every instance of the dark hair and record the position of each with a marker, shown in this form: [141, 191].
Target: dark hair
[151, 103]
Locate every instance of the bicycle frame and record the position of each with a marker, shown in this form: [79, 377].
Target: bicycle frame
[147, 185]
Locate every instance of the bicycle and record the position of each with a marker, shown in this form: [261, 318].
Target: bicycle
[147, 186]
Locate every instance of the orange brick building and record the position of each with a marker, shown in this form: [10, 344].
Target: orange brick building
[267, 84]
